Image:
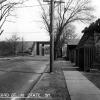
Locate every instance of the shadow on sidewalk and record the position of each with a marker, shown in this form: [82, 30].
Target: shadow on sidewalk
[68, 66]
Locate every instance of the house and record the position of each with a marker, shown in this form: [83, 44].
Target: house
[88, 48]
[71, 49]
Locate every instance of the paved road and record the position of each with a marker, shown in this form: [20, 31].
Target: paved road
[19, 75]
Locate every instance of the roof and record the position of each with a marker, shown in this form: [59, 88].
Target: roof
[73, 41]
[86, 41]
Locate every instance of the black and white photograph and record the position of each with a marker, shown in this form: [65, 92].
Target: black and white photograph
[49, 50]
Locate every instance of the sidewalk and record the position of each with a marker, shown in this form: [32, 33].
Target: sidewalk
[79, 87]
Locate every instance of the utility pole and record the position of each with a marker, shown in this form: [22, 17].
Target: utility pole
[51, 31]
[51, 35]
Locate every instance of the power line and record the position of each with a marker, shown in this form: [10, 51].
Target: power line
[22, 32]
[30, 6]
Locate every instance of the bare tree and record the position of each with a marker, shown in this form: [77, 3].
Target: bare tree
[1, 1]
[68, 35]
[13, 42]
[73, 10]
[6, 7]
[10, 46]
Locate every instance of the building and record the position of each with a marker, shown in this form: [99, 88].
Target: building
[88, 48]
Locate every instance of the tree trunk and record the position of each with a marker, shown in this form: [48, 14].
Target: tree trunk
[55, 53]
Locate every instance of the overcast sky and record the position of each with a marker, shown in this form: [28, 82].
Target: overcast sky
[28, 23]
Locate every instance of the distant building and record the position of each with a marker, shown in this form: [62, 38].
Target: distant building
[71, 46]
[24, 48]
[88, 49]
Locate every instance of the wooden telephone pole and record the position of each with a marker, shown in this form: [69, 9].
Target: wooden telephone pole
[51, 31]
[51, 35]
